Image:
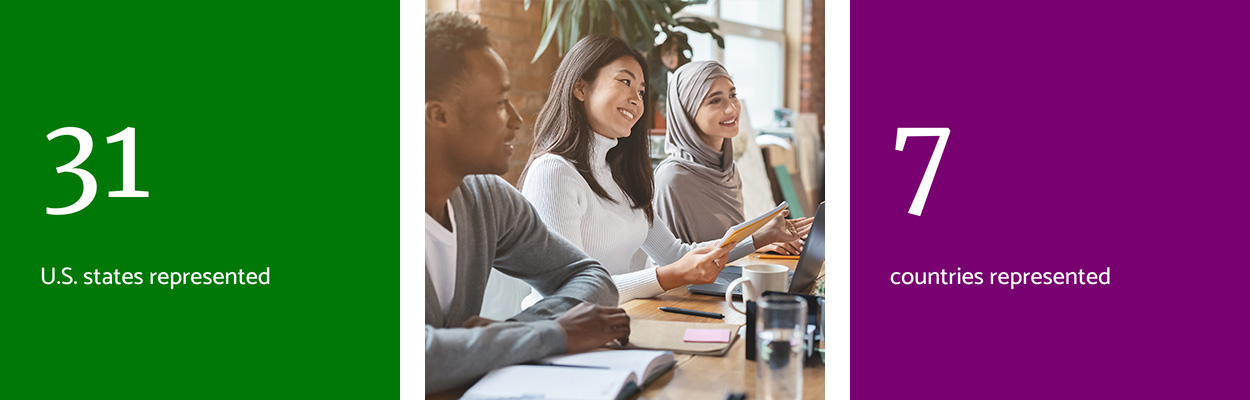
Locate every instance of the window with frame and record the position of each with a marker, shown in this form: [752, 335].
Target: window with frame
[754, 51]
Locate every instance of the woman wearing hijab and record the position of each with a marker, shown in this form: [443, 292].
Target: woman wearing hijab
[698, 191]
[590, 178]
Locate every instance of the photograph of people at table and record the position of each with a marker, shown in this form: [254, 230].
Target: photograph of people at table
[631, 159]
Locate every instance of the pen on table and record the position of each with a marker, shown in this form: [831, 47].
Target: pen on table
[676, 310]
[777, 257]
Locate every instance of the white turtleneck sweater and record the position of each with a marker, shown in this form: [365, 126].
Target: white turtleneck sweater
[610, 232]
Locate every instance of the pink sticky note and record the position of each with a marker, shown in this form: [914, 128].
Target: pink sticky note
[707, 335]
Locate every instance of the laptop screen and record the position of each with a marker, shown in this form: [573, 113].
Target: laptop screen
[813, 255]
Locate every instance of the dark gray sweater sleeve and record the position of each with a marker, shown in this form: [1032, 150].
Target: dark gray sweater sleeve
[454, 357]
[513, 239]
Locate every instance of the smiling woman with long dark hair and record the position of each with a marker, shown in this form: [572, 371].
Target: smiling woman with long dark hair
[565, 122]
[590, 176]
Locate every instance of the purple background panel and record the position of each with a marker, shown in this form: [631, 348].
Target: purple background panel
[1082, 136]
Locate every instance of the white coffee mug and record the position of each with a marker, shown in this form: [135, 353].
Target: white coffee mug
[757, 279]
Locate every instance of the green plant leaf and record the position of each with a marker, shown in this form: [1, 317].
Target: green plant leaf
[628, 29]
[612, 11]
[696, 24]
[593, 15]
[549, 30]
[683, 48]
[563, 34]
[640, 13]
[661, 10]
[561, 31]
[547, 6]
[676, 5]
[648, 27]
[575, 20]
[604, 18]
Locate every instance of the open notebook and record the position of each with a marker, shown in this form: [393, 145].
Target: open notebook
[606, 374]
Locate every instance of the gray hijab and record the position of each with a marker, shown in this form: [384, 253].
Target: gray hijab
[698, 192]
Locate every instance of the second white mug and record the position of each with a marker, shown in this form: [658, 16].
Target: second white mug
[757, 279]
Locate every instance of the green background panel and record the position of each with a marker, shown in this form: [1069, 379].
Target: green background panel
[266, 135]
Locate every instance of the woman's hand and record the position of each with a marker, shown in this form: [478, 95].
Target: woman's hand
[699, 266]
[793, 248]
[780, 229]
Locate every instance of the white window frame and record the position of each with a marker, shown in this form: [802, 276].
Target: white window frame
[727, 28]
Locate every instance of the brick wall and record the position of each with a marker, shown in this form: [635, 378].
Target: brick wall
[515, 34]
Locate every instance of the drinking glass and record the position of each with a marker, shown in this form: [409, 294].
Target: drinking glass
[781, 323]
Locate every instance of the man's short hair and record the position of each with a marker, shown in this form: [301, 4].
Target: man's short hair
[447, 36]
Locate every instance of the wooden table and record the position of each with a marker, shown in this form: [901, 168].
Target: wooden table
[703, 377]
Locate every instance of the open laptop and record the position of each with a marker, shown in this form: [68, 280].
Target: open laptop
[801, 279]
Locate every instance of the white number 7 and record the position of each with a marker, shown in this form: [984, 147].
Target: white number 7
[922, 194]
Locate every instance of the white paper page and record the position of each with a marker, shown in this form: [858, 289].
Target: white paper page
[635, 361]
[549, 382]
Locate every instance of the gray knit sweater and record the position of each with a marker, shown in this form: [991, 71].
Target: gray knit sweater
[496, 227]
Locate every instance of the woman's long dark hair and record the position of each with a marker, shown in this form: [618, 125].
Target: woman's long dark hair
[563, 128]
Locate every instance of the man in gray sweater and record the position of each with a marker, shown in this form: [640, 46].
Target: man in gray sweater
[476, 222]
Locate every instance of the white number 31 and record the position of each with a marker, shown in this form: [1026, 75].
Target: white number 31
[922, 193]
[127, 137]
